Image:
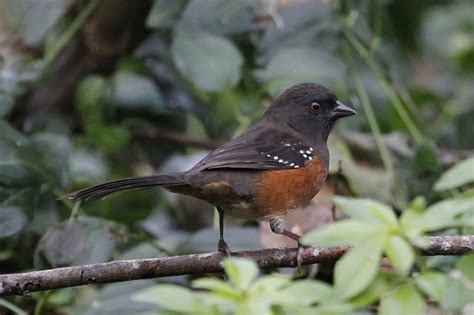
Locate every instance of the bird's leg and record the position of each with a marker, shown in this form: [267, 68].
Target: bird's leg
[276, 225]
[222, 245]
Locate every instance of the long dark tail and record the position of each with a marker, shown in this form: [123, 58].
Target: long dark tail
[102, 190]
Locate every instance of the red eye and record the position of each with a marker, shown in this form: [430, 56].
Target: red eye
[314, 107]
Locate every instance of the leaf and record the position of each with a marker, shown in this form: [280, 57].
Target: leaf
[456, 294]
[87, 166]
[164, 13]
[171, 297]
[307, 23]
[347, 232]
[442, 214]
[367, 210]
[12, 220]
[211, 62]
[356, 270]
[460, 174]
[403, 300]
[116, 299]
[32, 19]
[400, 253]
[217, 17]
[432, 283]
[300, 64]
[269, 283]
[85, 240]
[240, 271]
[217, 286]
[466, 265]
[308, 292]
[137, 92]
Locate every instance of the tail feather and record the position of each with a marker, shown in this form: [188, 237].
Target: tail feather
[102, 190]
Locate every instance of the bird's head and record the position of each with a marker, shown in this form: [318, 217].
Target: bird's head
[309, 108]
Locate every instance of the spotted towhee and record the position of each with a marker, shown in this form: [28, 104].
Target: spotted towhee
[274, 167]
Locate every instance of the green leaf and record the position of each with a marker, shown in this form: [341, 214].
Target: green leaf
[356, 270]
[171, 297]
[367, 210]
[400, 253]
[403, 300]
[446, 213]
[164, 13]
[432, 283]
[269, 283]
[211, 62]
[32, 19]
[294, 65]
[308, 292]
[466, 265]
[460, 174]
[85, 240]
[456, 294]
[240, 271]
[217, 17]
[217, 286]
[347, 232]
[137, 92]
[12, 220]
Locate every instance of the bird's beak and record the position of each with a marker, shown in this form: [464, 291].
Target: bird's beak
[341, 111]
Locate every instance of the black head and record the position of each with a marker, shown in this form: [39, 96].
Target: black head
[309, 108]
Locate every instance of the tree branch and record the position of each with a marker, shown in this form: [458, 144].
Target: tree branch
[126, 270]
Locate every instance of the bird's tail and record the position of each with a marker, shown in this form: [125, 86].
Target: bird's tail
[102, 190]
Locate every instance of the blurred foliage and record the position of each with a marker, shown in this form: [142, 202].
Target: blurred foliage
[87, 95]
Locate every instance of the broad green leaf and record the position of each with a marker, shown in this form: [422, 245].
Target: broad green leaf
[458, 175]
[294, 65]
[403, 300]
[441, 215]
[85, 240]
[241, 271]
[217, 286]
[164, 13]
[90, 92]
[269, 283]
[137, 92]
[12, 220]
[432, 283]
[308, 292]
[456, 294]
[367, 210]
[217, 17]
[372, 294]
[356, 270]
[346, 232]
[211, 62]
[466, 265]
[400, 253]
[32, 19]
[171, 297]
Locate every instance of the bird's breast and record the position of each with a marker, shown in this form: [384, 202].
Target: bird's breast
[278, 191]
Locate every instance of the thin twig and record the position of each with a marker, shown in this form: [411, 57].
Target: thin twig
[126, 270]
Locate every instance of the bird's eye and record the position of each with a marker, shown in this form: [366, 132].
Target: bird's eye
[314, 107]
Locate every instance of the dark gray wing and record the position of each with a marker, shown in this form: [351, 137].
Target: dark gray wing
[260, 149]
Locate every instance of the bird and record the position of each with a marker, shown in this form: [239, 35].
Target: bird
[276, 166]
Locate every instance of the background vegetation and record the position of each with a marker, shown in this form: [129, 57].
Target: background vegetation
[95, 90]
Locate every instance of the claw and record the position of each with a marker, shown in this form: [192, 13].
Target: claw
[223, 247]
[299, 255]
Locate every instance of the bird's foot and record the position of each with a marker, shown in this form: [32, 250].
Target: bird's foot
[223, 247]
[299, 254]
